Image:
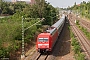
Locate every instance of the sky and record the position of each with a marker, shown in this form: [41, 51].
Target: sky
[62, 3]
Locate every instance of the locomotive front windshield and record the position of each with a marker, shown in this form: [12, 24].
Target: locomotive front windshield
[43, 39]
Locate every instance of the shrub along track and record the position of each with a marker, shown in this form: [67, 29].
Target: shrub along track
[82, 39]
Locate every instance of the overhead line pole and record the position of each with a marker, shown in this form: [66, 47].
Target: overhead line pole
[23, 51]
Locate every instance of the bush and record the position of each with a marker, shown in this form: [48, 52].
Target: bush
[74, 42]
[4, 52]
[69, 27]
[77, 22]
[80, 56]
[71, 34]
[77, 49]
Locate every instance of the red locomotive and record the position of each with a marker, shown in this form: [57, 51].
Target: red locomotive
[46, 40]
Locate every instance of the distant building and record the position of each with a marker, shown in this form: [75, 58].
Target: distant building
[32, 2]
[78, 4]
[14, 1]
[29, 1]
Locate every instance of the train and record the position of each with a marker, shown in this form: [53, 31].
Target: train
[45, 41]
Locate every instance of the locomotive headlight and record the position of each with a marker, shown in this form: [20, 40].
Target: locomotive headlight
[47, 45]
[39, 45]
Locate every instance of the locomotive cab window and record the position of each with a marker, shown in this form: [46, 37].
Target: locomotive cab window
[43, 39]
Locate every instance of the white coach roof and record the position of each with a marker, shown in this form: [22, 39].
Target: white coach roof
[59, 23]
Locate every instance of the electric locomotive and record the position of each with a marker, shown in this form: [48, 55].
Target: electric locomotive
[46, 40]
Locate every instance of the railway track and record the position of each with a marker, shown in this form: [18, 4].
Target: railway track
[85, 26]
[40, 57]
[82, 39]
[81, 23]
